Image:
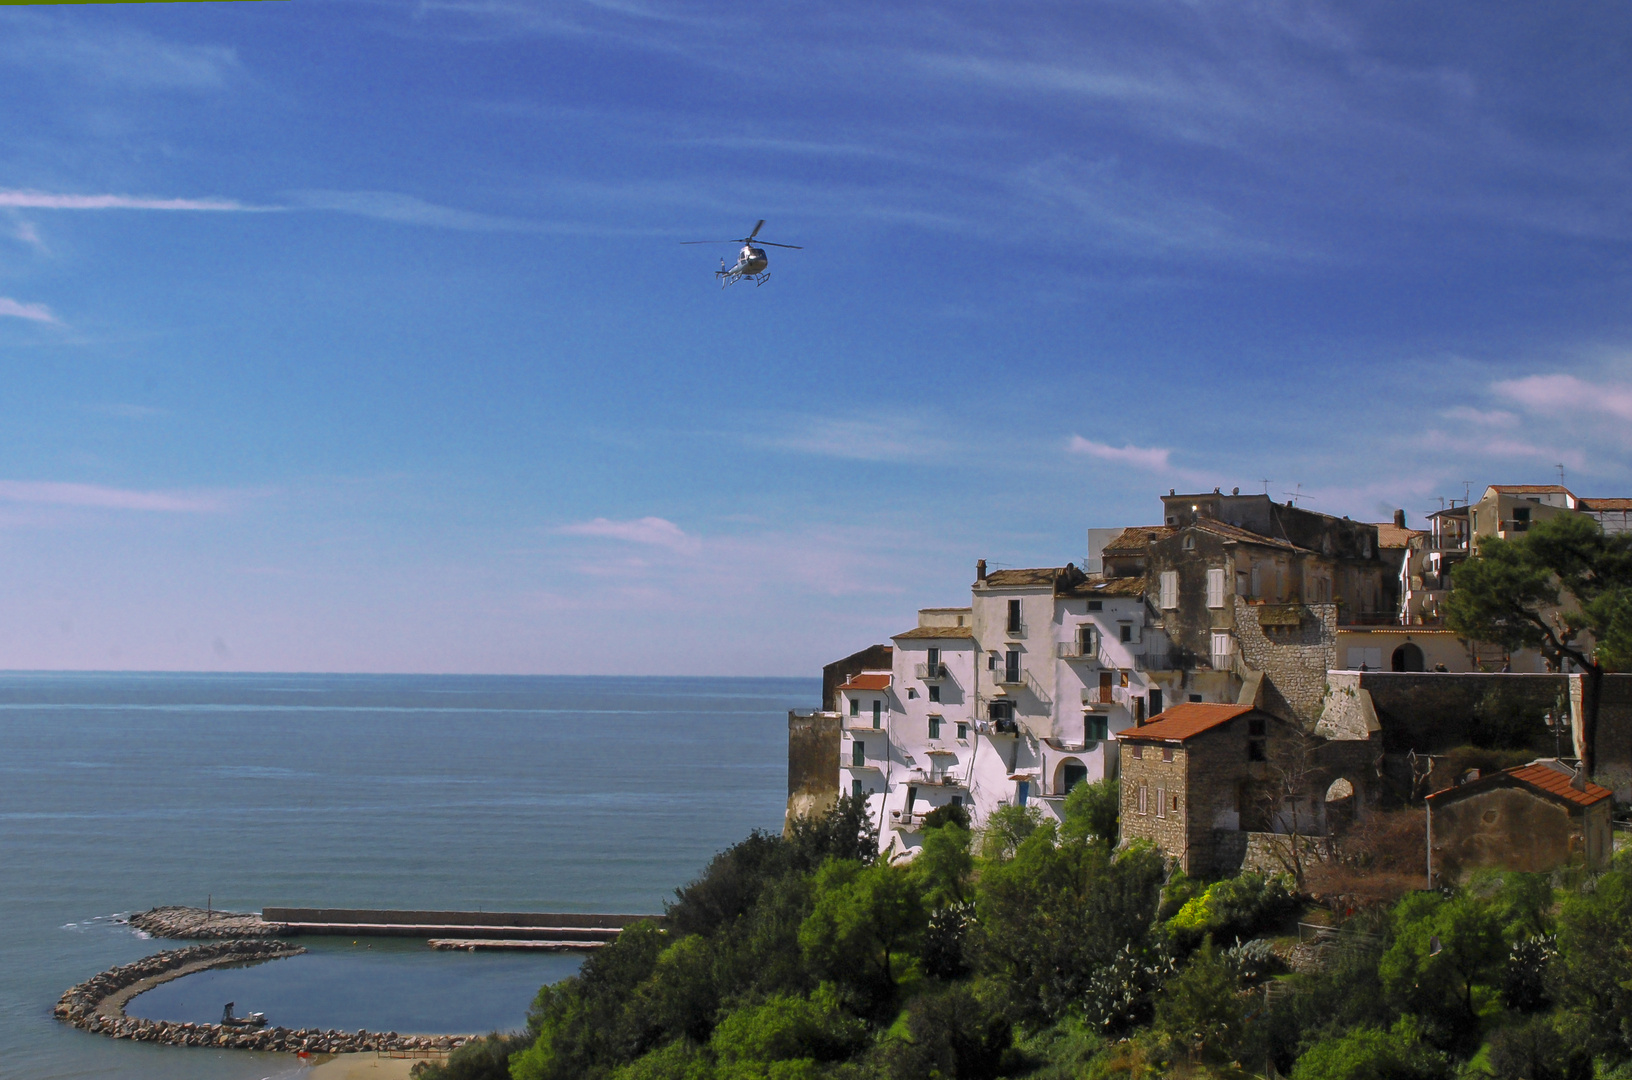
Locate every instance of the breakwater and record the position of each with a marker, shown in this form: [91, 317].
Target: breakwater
[564, 929]
[98, 1004]
[199, 924]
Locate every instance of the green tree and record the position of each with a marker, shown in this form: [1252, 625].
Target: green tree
[1565, 588]
[862, 918]
[1200, 1009]
[1442, 949]
[1373, 1054]
[1006, 828]
[1092, 812]
[944, 865]
[950, 1035]
[787, 1028]
[1593, 971]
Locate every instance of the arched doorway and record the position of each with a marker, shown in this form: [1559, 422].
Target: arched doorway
[1407, 658]
[1072, 772]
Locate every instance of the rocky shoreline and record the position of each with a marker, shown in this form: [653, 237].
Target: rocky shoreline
[98, 1005]
[199, 924]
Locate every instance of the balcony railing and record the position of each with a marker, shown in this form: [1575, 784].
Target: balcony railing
[931, 672]
[998, 727]
[1004, 677]
[864, 722]
[1074, 650]
[1015, 630]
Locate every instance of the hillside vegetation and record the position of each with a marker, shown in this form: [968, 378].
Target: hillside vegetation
[1030, 950]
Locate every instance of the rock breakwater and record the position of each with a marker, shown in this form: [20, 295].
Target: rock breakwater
[200, 924]
[98, 1005]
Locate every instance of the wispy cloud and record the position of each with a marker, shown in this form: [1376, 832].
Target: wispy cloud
[47, 200]
[409, 210]
[33, 312]
[865, 438]
[1567, 395]
[1490, 417]
[112, 56]
[655, 531]
[1143, 457]
[107, 498]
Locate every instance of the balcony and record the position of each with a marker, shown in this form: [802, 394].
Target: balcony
[998, 727]
[1154, 660]
[1073, 650]
[1009, 680]
[864, 722]
[1015, 630]
[931, 672]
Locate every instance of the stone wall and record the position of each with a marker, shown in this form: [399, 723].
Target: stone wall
[1142, 763]
[813, 763]
[1294, 645]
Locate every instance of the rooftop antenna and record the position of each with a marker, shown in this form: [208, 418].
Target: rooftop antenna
[1296, 495]
[1467, 492]
[1266, 484]
[1560, 467]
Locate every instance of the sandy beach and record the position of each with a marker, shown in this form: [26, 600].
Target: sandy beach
[369, 1066]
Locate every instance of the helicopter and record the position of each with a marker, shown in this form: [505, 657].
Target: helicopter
[751, 260]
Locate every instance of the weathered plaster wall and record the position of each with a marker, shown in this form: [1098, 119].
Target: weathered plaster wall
[1506, 827]
[813, 762]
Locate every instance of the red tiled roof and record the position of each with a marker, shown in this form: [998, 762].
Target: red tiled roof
[1036, 575]
[936, 632]
[1544, 778]
[1136, 539]
[1185, 720]
[1390, 535]
[868, 681]
[1520, 489]
[1236, 534]
[1605, 504]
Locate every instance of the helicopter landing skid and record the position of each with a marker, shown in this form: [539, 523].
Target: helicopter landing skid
[731, 277]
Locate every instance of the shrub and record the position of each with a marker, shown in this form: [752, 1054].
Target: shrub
[945, 939]
[1234, 907]
[1524, 975]
[1373, 1054]
[1535, 1050]
[950, 1035]
[1092, 812]
[487, 1058]
[1006, 829]
[789, 1028]
[1200, 1009]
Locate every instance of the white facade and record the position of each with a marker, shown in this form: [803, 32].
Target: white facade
[1010, 701]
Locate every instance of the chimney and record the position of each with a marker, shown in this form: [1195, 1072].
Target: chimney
[980, 570]
[1399, 519]
[1578, 779]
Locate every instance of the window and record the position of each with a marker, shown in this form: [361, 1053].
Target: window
[957, 800]
[1189, 543]
[858, 754]
[878, 711]
[857, 790]
[1195, 697]
[1096, 605]
[933, 662]
[1215, 586]
[1169, 589]
[1155, 702]
[911, 693]
[1255, 726]
[1011, 666]
[935, 692]
[1138, 751]
[1167, 753]
[855, 706]
[1000, 710]
[1085, 639]
[934, 727]
[1221, 649]
[1138, 710]
[1127, 631]
[963, 732]
[1022, 792]
[1014, 616]
[991, 662]
[1175, 806]
[1256, 750]
[1521, 518]
[1161, 801]
[1096, 727]
[1144, 798]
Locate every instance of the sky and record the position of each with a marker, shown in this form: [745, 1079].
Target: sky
[340, 335]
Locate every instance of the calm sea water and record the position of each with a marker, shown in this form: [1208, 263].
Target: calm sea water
[122, 792]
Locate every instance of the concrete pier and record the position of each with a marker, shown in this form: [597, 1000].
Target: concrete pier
[559, 928]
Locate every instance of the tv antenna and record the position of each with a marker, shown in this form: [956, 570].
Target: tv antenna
[1467, 492]
[1560, 467]
[1296, 495]
[1266, 484]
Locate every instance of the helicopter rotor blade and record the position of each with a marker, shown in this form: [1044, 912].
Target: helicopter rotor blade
[795, 247]
[709, 241]
[755, 233]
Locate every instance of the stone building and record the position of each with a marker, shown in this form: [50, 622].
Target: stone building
[1533, 818]
[1201, 775]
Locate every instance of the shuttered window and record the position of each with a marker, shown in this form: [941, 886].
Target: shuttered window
[1170, 589]
[1215, 586]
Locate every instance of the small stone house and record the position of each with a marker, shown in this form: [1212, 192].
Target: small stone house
[1532, 818]
[1192, 781]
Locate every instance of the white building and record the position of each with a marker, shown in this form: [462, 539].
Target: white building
[1010, 701]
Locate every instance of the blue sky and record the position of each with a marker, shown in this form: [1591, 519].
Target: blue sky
[356, 336]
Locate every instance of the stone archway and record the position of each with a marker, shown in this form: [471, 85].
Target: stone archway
[1408, 657]
[1068, 774]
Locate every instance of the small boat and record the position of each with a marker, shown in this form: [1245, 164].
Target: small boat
[253, 1020]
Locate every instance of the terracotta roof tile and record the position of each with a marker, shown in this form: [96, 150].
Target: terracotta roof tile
[1136, 540]
[1540, 776]
[1237, 534]
[1604, 504]
[1100, 585]
[1038, 575]
[1185, 720]
[868, 680]
[1522, 489]
[933, 632]
[1390, 535]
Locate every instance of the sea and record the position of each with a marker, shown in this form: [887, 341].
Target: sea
[120, 792]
